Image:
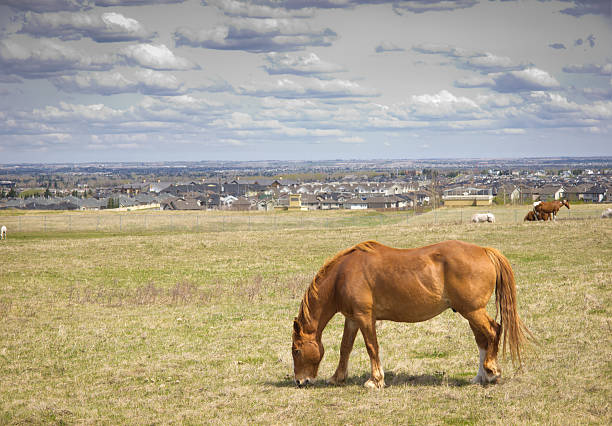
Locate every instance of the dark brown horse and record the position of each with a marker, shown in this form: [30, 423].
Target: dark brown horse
[370, 282]
[531, 216]
[550, 207]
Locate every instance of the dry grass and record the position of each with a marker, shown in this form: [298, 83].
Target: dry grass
[194, 327]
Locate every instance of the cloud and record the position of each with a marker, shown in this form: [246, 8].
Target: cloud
[387, 46]
[591, 40]
[445, 50]
[524, 80]
[605, 69]
[47, 59]
[484, 62]
[256, 35]
[114, 3]
[311, 88]
[305, 65]
[588, 7]
[557, 46]
[578, 42]
[107, 27]
[421, 6]
[144, 81]
[251, 10]
[155, 56]
[44, 6]
[440, 105]
[512, 81]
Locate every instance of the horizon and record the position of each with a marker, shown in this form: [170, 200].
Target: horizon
[147, 81]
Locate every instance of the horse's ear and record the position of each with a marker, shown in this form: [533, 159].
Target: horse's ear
[297, 328]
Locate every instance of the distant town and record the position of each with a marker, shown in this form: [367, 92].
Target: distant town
[284, 185]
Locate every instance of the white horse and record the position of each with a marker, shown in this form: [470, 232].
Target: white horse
[3, 233]
[483, 217]
[607, 213]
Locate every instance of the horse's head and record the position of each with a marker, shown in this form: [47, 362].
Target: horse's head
[565, 203]
[307, 354]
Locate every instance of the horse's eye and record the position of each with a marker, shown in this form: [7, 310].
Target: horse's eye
[296, 352]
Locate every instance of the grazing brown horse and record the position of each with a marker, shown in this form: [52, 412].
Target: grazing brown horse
[531, 216]
[550, 207]
[370, 282]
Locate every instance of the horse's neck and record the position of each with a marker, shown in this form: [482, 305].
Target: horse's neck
[321, 308]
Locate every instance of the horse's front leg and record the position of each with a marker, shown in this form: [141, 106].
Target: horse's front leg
[348, 338]
[367, 325]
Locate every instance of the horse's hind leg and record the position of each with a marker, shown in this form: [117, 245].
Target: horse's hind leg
[348, 338]
[487, 333]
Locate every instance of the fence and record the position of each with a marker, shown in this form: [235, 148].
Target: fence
[256, 221]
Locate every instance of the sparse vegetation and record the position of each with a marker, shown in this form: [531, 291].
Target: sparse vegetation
[194, 326]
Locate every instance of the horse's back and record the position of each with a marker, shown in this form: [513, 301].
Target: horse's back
[414, 284]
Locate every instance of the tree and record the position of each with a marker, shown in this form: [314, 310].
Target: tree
[12, 193]
[47, 193]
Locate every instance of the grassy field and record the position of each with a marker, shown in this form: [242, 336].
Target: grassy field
[194, 326]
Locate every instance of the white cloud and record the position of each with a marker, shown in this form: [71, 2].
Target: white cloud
[47, 58]
[105, 27]
[256, 35]
[145, 81]
[524, 80]
[309, 88]
[440, 105]
[387, 46]
[251, 10]
[155, 56]
[308, 64]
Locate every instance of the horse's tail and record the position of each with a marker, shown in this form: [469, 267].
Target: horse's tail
[514, 330]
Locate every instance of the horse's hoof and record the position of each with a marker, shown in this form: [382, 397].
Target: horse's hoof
[333, 380]
[371, 384]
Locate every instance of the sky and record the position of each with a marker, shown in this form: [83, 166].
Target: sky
[198, 80]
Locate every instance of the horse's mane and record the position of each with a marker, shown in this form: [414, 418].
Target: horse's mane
[313, 290]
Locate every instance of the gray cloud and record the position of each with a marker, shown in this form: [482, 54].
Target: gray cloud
[587, 7]
[105, 27]
[113, 3]
[557, 46]
[605, 69]
[43, 6]
[422, 6]
[256, 35]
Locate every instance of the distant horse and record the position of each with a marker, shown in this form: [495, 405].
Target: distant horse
[607, 213]
[3, 233]
[531, 216]
[483, 217]
[550, 207]
[370, 282]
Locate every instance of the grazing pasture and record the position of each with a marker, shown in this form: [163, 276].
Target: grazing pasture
[190, 325]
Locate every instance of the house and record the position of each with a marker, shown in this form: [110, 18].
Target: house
[356, 203]
[467, 196]
[588, 193]
[550, 192]
[242, 204]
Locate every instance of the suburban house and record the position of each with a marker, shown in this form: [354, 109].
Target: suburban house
[467, 196]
